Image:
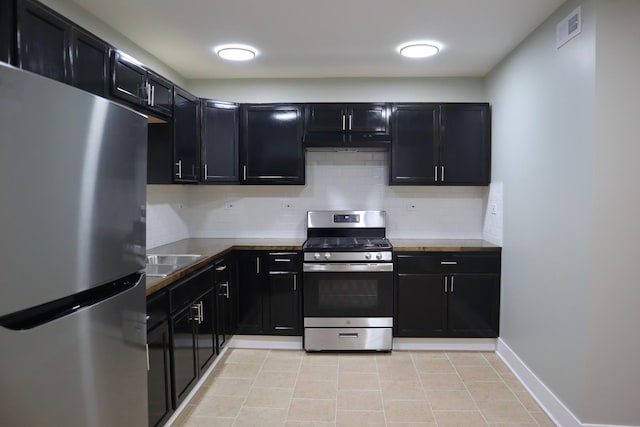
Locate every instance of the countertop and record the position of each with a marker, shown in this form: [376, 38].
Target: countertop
[213, 248]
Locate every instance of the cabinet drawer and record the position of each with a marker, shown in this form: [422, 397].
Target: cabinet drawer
[190, 288]
[448, 262]
[157, 309]
[283, 261]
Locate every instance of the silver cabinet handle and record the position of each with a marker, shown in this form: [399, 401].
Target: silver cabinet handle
[257, 264]
[344, 118]
[153, 96]
[206, 173]
[179, 165]
[148, 363]
[295, 282]
[435, 172]
[225, 285]
[221, 268]
[244, 168]
[350, 121]
[446, 285]
[442, 173]
[452, 284]
[282, 328]
[282, 260]
[448, 262]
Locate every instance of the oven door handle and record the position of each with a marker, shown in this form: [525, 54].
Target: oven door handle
[341, 267]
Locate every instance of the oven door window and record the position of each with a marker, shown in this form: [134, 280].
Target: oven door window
[348, 294]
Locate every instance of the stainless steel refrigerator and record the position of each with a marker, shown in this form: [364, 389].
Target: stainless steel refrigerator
[72, 253]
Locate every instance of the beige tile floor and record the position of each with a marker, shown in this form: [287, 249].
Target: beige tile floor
[403, 388]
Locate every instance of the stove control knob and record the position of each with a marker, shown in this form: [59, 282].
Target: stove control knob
[316, 256]
[378, 255]
[327, 255]
[367, 256]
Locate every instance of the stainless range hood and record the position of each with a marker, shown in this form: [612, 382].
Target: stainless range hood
[332, 141]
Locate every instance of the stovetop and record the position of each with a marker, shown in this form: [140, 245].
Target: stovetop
[345, 244]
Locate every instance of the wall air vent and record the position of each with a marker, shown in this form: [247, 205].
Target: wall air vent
[569, 27]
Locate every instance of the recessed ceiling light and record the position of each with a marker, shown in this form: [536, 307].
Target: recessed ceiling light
[418, 49]
[236, 52]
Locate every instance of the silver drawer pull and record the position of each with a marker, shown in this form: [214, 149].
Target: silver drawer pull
[282, 328]
[448, 262]
[221, 268]
[282, 260]
[348, 335]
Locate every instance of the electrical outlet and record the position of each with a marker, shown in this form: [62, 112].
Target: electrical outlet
[229, 206]
[493, 208]
[412, 206]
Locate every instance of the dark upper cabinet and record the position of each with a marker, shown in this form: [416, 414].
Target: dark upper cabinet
[186, 137]
[414, 145]
[90, 58]
[452, 294]
[134, 83]
[271, 150]
[44, 41]
[8, 32]
[440, 144]
[365, 117]
[465, 151]
[220, 144]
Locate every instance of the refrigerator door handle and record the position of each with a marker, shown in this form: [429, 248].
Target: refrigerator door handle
[32, 317]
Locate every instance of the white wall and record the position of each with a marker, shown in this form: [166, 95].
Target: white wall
[543, 102]
[613, 374]
[90, 23]
[336, 181]
[166, 212]
[342, 90]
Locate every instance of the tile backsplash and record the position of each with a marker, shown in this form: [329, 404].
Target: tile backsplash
[334, 180]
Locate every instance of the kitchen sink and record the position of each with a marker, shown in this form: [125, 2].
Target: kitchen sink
[162, 265]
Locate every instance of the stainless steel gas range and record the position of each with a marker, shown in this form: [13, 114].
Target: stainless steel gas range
[347, 282]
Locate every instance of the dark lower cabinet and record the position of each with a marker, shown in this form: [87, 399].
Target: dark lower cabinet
[225, 313]
[447, 295]
[158, 375]
[192, 330]
[159, 359]
[269, 297]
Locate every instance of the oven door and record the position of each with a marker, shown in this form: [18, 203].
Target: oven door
[348, 290]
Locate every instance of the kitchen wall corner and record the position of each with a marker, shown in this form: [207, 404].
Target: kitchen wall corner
[493, 216]
[166, 213]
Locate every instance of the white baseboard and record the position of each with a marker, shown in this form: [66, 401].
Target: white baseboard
[445, 344]
[266, 342]
[555, 409]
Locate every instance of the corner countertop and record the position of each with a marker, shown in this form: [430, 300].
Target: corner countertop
[214, 248]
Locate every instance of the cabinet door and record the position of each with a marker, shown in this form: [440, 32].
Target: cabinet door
[370, 118]
[127, 79]
[44, 40]
[251, 290]
[325, 118]
[186, 141]
[272, 145]
[90, 63]
[465, 149]
[158, 375]
[7, 31]
[421, 305]
[414, 144]
[220, 127]
[161, 97]
[474, 305]
[183, 349]
[284, 303]
[205, 329]
[223, 304]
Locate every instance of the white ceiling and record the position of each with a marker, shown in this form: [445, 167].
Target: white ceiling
[325, 38]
